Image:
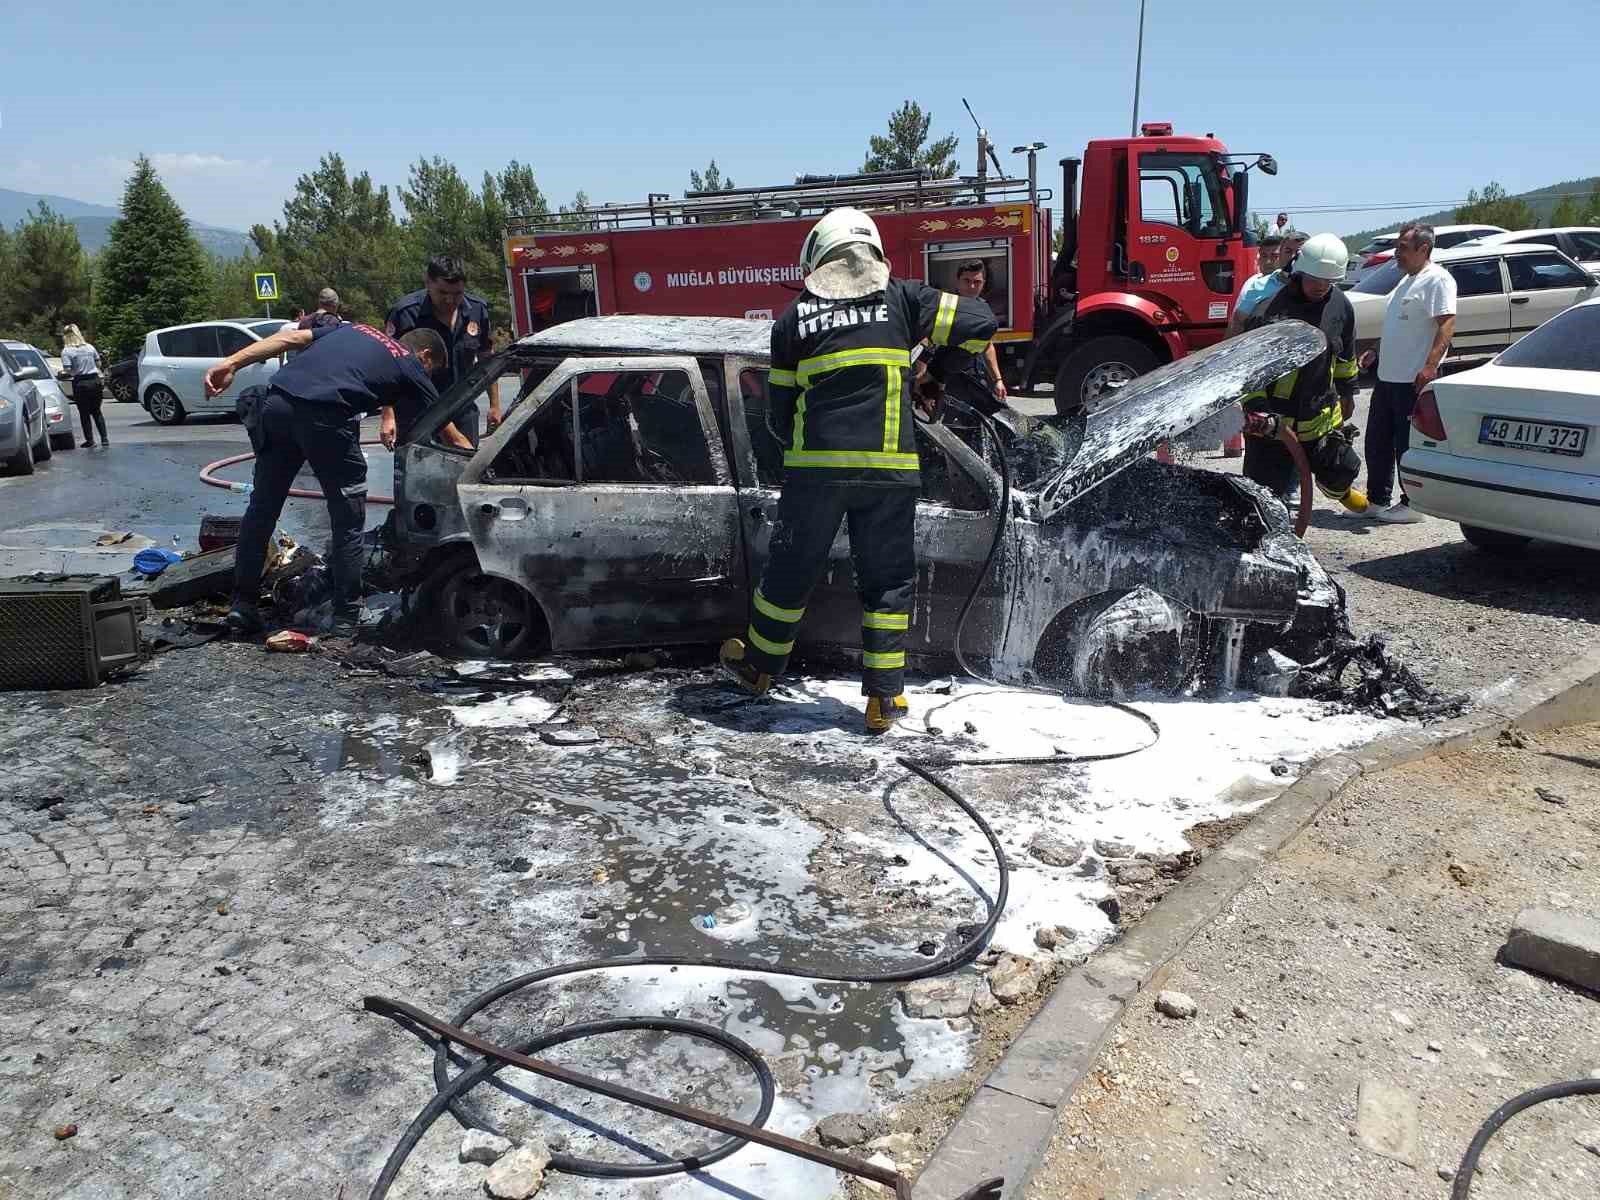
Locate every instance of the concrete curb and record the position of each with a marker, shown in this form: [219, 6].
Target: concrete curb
[1007, 1126]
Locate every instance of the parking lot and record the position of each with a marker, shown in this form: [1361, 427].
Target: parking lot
[210, 871]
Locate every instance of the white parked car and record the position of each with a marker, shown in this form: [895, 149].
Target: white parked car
[1510, 450]
[1380, 250]
[29, 363]
[1581, 243]
[1502, 292]
[173, 363]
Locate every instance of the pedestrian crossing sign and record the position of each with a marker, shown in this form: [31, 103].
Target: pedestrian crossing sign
[266, 286]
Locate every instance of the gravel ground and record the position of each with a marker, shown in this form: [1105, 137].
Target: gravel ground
[1367, 952]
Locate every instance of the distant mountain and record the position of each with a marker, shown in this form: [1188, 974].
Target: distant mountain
[1543, 200]
[93, 223]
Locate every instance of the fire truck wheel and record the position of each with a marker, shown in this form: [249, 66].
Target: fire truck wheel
[1099, 366]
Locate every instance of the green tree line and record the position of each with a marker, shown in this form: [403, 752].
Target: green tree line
[338, 230]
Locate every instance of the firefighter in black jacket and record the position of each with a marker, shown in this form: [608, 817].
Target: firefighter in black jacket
[1317, 399]
[840, 394]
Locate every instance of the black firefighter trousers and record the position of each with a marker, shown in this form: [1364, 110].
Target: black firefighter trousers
[883, 551]
[291, 434]
[1333, 461]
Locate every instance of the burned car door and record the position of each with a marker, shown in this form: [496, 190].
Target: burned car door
[612, 503]
[956, 515]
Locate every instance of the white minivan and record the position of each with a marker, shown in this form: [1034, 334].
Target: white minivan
[173, 363]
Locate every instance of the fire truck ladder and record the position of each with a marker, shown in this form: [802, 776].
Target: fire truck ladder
[808, 196]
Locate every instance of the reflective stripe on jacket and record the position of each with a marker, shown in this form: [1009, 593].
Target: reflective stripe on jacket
[840, 384]
[1310, 396]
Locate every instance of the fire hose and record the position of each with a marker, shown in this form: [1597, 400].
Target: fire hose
[208, 476]
[1268, 426]
[450, 1091]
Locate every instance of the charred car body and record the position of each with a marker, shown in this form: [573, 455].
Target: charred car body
[627, 498]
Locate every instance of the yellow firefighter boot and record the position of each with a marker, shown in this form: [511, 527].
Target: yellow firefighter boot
[883, 712]
[1355, 500]
[742, 672]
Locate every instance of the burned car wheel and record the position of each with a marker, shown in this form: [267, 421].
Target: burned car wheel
[481, 616]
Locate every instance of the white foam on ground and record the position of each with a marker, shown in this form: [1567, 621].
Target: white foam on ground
[504, 712]
[1214, 760]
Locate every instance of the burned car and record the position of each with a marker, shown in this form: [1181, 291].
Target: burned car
[627, 500]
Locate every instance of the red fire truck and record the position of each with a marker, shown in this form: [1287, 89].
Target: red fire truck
[1146, 272]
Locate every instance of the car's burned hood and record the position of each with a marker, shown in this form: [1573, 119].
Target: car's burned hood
[1164, 403]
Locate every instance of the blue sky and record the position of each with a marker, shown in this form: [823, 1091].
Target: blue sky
[1363, 103]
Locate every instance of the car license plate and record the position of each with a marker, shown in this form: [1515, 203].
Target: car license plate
[1533, 435]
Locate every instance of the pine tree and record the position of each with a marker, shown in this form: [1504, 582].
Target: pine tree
[445, 216]
[1568, 212]
[1494, 207]
[152, 272]
[711, 181]
[47, 278]
[339, 232]
[905, 148]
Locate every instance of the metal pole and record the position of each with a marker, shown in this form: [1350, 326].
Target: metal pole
[1138, 70]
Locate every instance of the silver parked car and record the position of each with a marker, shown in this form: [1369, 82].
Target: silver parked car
[173, 364]
[20, 356]
[24, 426]
[628, 499]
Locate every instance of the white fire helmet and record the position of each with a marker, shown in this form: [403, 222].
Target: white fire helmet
[841, 227]
[1323, 257]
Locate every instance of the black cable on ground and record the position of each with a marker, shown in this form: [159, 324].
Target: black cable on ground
[451, 1091]
[1462, 1186]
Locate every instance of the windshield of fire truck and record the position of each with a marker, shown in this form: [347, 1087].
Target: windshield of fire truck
[1186, 190]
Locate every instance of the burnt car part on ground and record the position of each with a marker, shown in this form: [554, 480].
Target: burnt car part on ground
[625, 500]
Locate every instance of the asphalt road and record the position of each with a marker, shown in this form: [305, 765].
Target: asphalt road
[146, 482]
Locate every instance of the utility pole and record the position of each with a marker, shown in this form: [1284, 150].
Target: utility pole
[1138, 71]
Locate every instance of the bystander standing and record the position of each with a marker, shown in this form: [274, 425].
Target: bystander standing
[80, 364]
[327, 314]
[1417, 327]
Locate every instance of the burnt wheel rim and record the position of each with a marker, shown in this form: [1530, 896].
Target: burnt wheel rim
[484, 615]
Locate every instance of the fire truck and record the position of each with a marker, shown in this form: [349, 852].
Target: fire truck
[1148, 264]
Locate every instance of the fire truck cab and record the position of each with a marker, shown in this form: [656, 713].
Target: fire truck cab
[1146, 271]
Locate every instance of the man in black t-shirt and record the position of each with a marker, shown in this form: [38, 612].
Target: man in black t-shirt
[311, 413]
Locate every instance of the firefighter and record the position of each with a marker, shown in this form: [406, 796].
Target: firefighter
[840, 403]
[462, 320]
[311, 414]
[1315, 400]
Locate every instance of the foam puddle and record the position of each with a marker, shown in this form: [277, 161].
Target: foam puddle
[626, 847]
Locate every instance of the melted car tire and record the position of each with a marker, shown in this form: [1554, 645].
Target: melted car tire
[458, 600]
[1495, 542]
[175, 408]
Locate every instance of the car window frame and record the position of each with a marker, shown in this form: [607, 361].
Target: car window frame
[482, 457]
[1584, 278]
[249, 337]
[191, 331]
[1498, 261]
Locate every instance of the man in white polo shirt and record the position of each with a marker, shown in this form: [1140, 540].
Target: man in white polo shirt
[1417, 327]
